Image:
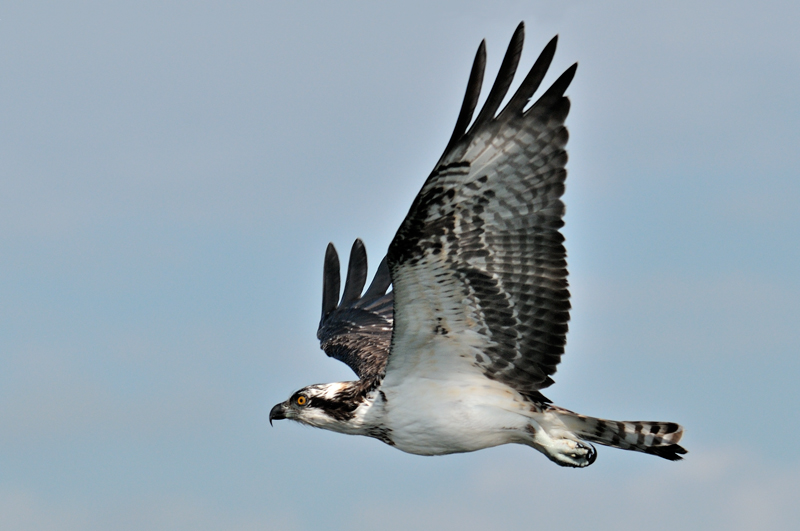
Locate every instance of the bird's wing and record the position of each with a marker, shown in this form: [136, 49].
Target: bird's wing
[478, 265]
[356, 330]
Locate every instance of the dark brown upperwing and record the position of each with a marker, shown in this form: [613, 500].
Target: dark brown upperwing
[358, 329]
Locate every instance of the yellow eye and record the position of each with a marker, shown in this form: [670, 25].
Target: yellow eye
[301, 400]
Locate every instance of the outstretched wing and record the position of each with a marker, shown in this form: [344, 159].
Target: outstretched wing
[356, 330]
[478, 265]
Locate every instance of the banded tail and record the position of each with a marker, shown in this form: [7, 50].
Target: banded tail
[657, 438]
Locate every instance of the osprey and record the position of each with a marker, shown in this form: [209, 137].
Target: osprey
[454, 358]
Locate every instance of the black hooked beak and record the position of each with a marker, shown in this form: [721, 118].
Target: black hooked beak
[277, 413]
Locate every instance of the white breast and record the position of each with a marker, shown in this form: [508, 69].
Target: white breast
[446, 405]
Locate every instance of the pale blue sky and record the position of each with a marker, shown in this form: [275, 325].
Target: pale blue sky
[170, 176]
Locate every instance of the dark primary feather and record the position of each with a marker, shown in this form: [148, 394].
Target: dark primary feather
[531, 81]
[504, 78]
[470, 97]
[482, 237]
[356, 330]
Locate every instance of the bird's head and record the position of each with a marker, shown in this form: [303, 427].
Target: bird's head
[330, 406]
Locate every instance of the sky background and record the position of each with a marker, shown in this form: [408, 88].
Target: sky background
[170, 174]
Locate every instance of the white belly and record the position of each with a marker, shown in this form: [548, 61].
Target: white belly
[451, 409]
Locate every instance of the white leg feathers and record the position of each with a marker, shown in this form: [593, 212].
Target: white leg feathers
[563, 436]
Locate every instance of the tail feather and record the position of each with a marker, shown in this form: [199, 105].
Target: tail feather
[657, 438]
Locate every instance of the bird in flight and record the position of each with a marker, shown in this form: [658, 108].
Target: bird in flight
[455, 356]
